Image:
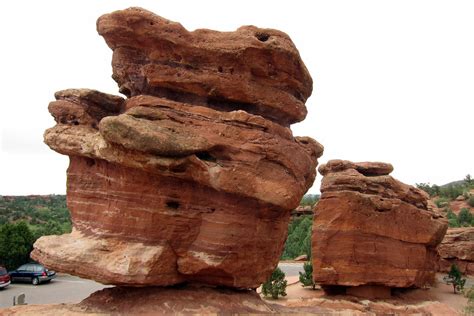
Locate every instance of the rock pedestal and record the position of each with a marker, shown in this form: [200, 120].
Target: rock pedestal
[370, 229]
[457, 248]
[192, 178]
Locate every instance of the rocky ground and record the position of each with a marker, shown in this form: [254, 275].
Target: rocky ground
[438, 300]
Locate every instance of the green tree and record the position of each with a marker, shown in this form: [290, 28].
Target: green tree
[452, 219]
[468, 180]
[455, 278]
[299, 237]
[276, 285]
[465, 217]
[16, 243]
[306, 278]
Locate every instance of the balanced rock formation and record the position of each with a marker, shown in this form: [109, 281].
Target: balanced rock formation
[372, 230]
[457, 248]
[193, 177]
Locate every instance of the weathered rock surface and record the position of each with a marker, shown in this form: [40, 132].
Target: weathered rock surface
[165, 189]
[371, 229]
[252, 69]
[155, 301]
[457, 248]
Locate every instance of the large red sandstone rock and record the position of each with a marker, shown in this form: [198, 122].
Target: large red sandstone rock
[457, 248]
[371, 229]
[252, 69]
[165, 190]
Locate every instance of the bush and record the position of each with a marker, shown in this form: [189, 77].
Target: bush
[309, 199]
[306, 278]
[441, 202]
[452, 219]
[470, 201]
[455, 278]
[276, 285]
[465, 218]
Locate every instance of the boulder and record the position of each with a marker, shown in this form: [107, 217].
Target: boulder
[457, 248]
[370, 229]
[252, 69]
[164, 188]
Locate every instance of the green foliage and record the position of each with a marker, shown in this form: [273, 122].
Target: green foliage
[468, 181]
[470, 201]
[432, 190]
[452, 219]
[299, 238]
[309, 199]
[276, 285]
[442, 202]
[455, 278]
[16, 243]
[45, 215]
[452, 191]
[465, 218]
[306, 278]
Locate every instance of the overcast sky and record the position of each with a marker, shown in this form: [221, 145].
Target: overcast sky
[393, 80]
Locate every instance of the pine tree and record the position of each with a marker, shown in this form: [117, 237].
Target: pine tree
[275, 285]
[306, 278]
[455, 278]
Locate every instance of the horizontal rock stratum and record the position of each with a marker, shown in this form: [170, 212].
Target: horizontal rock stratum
[370, 229]
[457, 248]
[193, 176]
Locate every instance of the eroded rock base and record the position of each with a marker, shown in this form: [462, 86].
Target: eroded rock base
[155, 301]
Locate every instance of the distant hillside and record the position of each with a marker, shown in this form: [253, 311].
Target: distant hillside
[44, 214]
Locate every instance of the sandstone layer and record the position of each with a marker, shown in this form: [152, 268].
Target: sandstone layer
[155, 301]
[457, 248]
[370, 229]
[254, 69]
[164, 188]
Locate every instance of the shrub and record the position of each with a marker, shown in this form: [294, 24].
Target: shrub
[276, 285]
[470, 201]
[455, 278]
[465, 217]
[441, 202]
[306, 278]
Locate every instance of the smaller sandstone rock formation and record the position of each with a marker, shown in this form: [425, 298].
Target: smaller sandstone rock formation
[370, 229]
[457, 248]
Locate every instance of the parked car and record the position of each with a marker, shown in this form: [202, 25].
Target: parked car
[32, 272]
[4, 278]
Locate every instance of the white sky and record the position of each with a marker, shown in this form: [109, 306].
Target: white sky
[393, 80]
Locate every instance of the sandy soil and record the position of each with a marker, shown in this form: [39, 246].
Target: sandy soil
[438, 300]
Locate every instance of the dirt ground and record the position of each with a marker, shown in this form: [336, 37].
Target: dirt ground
[438, 300]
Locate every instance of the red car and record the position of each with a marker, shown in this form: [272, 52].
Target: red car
[4, 278]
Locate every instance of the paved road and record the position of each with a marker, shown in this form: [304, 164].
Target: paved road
[291, 269]
[63, 289]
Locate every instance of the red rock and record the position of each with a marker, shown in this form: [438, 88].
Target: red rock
[457, 248]
[252, 69]
[373, 230]
[164, 188]
[155, 301]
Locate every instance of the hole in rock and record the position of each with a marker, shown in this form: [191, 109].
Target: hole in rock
[172, 204]
[178, 169]
[205, 156]
[220, 69]
[262, 37]
[151, 23]
[90, 162]
[75, 122]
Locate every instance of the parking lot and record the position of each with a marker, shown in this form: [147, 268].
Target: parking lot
[63, 289]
